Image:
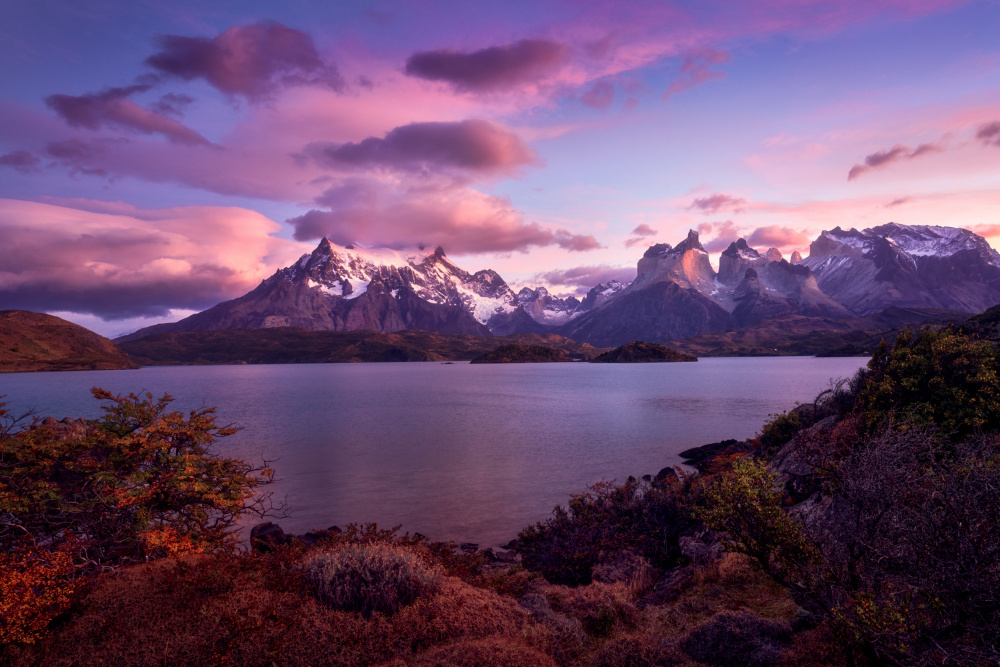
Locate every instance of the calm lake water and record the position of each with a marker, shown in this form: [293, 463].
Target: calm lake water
[455, 451]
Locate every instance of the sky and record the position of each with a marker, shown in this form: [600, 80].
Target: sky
[157, 158]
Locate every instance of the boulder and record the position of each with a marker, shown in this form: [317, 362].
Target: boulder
[265, 537]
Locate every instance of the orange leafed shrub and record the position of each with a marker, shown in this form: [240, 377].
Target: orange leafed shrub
[35, 587]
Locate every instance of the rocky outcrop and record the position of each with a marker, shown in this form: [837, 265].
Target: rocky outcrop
[907, 266]
[640, 352]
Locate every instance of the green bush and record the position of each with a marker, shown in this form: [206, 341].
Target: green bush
[369, 578]
[944, 378]
[746, 503]
[779, 430]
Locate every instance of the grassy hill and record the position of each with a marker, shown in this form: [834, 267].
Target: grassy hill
[37, 342]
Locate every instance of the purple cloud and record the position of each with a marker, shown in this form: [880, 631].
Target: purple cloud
[697, 69]
[888, 156]
[173, 104]
[112, 107]
[468, 145]
[21, 161]
[582, 278]
[644, 230]
[459, 219]
[253, 60]
[80, 157]
[496, 67]
[899, 202]
[600, 96]
[718, 202]
[989, 133]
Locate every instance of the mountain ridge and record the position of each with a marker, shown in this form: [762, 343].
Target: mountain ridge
[676, 292]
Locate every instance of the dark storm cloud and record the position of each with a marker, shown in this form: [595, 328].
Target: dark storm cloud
[496, 67]
[469, 145]
[252, 61]
[112, 107]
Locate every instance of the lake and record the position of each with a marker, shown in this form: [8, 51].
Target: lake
[455, 451]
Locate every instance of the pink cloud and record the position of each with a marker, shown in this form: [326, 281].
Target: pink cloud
[496, 67]
[112, 107]
[697, 69]
[718, 202]
[253, 61]
[600, 96]
[778, 237]
[723, 233]
[121, 265]
[644, 230]
[463, 221]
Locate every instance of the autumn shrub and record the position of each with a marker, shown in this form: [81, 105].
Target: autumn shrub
[646, 519]
[36, 585]
[140, 483]
[369, 578]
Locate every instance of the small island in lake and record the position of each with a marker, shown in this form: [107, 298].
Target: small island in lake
[640, 352]
[522, 354]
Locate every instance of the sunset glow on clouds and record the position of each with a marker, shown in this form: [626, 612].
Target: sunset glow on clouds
[160, 157]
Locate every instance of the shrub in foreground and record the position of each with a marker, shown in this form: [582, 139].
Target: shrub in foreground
[139, 483]
[737, 639]
[369, 578]
[646, 519]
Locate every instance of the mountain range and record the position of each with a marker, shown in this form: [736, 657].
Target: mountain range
[676, 293]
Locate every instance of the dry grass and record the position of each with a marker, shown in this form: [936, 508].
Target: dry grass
[370, 578]
[254, 611]
[243, 610]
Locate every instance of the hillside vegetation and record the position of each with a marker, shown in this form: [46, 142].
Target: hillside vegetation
[291, 345]
[856, 529]
[522, 354]
[638, 352]
[38, 342]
